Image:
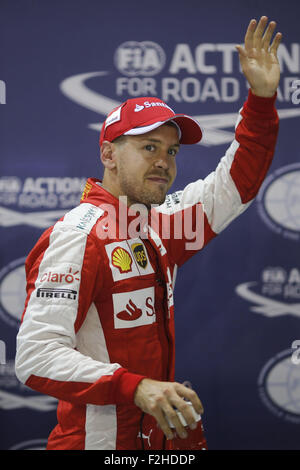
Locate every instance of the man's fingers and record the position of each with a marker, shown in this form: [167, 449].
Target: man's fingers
[249, 35]
[258, 33]
[275, 43]
[190, 395]
[259, 36]
[173, 418]
[241, 51]
[174, 401]
[268, 34]
[186, 411]
[163, 424]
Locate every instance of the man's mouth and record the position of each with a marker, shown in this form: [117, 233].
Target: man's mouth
[158, 179]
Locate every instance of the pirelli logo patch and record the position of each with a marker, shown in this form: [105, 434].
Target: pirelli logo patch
[47, 293]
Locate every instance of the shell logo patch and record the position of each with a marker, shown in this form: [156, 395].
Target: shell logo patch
[121, 259]
[139, 254]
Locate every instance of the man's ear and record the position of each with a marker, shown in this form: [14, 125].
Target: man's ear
[107, 155]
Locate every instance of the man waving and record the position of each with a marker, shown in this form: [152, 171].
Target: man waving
[97, 330]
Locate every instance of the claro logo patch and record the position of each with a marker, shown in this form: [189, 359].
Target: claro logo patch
[56, 277]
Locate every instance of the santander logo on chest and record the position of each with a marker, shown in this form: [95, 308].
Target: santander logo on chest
[135, 308]
[132, 312]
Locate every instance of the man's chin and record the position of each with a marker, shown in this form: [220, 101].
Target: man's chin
[155, 200]
[148, 198]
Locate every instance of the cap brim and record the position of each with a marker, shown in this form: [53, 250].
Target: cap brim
[191, 132]
[190, 129]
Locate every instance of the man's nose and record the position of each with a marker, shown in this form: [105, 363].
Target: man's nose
[162, 161]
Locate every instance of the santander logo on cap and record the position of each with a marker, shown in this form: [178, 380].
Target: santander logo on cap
[148, 104]
[138, 108]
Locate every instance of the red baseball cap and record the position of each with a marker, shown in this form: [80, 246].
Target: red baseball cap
[140, 115]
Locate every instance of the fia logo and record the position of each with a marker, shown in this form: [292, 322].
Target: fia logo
[275, 294]
[134, 58]
[278, 386]
[278, 201]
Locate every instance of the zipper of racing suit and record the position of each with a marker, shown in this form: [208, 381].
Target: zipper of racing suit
[162, 320]
[163, 323]
[162, 310]
[166, 331]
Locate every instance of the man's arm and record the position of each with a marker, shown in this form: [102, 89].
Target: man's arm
[229, 190]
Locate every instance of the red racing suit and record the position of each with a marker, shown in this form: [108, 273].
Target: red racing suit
[99, 313]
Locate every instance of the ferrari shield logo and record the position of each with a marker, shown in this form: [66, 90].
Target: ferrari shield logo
[139, 254]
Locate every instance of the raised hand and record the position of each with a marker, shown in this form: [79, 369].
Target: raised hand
[258, 57]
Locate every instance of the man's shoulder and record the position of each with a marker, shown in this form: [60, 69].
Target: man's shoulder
[81, 218]
[72, 232]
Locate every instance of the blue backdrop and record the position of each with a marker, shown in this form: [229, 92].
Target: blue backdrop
[65, 64]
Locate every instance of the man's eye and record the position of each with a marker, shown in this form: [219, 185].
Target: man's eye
[150, 147]
[173, 152]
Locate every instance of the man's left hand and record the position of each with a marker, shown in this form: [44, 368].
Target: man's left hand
[258, 57]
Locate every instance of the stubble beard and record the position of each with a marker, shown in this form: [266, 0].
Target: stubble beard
[138, 193]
